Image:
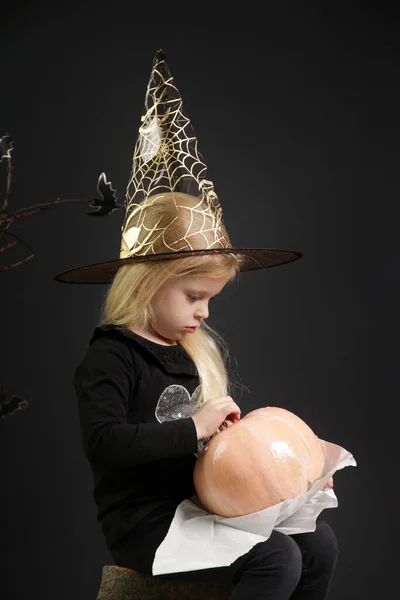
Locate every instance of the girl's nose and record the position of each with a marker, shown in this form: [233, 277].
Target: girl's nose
[202, 313]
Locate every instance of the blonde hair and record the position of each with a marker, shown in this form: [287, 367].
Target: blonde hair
[128, 300]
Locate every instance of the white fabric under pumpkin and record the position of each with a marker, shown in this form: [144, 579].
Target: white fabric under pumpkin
[198, 540]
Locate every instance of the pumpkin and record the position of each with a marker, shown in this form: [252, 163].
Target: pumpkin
[267, 457]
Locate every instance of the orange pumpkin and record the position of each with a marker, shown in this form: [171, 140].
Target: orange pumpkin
[269, 456]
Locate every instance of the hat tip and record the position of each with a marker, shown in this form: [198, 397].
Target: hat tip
[160, 54]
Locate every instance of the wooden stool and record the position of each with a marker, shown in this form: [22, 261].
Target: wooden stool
[118, 583]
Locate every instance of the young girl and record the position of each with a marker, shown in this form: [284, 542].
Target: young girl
[153, 344]
[154, 383]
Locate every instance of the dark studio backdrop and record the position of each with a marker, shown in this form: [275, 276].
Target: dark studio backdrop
[296, 111]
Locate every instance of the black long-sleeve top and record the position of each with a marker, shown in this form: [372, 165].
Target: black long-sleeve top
[142, 468]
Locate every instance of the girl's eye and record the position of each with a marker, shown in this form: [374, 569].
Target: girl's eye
[195, 298]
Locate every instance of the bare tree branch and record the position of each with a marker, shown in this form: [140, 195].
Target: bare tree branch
[9, 180]
[16, 264]
[8, 246]
[37, 208]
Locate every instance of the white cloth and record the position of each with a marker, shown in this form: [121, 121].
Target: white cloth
[197, 539]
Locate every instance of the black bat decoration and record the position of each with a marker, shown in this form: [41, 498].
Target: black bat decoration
[6, 147]
[107, 203]
[12, 405]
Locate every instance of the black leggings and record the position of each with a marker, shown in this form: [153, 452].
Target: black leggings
[299, 567]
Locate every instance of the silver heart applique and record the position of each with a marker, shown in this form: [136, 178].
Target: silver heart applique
[176, 403]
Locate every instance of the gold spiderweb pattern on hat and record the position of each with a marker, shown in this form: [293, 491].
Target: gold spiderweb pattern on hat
[166, 162]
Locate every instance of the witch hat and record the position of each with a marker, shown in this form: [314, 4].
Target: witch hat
[167, 165]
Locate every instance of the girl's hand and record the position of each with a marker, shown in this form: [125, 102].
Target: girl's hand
[329, 483]
[213, 413]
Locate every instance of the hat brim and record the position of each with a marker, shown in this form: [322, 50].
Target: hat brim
[255, 258]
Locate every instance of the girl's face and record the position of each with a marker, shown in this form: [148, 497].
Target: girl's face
[183, 303]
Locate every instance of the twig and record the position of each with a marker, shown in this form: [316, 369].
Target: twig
[17, 240]
[8, 246]
[3, 209]
[36, 208]
[7, 220]
[8, 188]
[16, 264]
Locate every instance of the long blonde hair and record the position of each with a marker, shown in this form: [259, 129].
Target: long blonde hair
[128, 300]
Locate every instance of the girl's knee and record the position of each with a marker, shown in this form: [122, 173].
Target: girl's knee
[290, 560]
[282, 559]
[320, 546]
[326, 542]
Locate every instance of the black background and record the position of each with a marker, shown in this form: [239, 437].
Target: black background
[296, 108]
